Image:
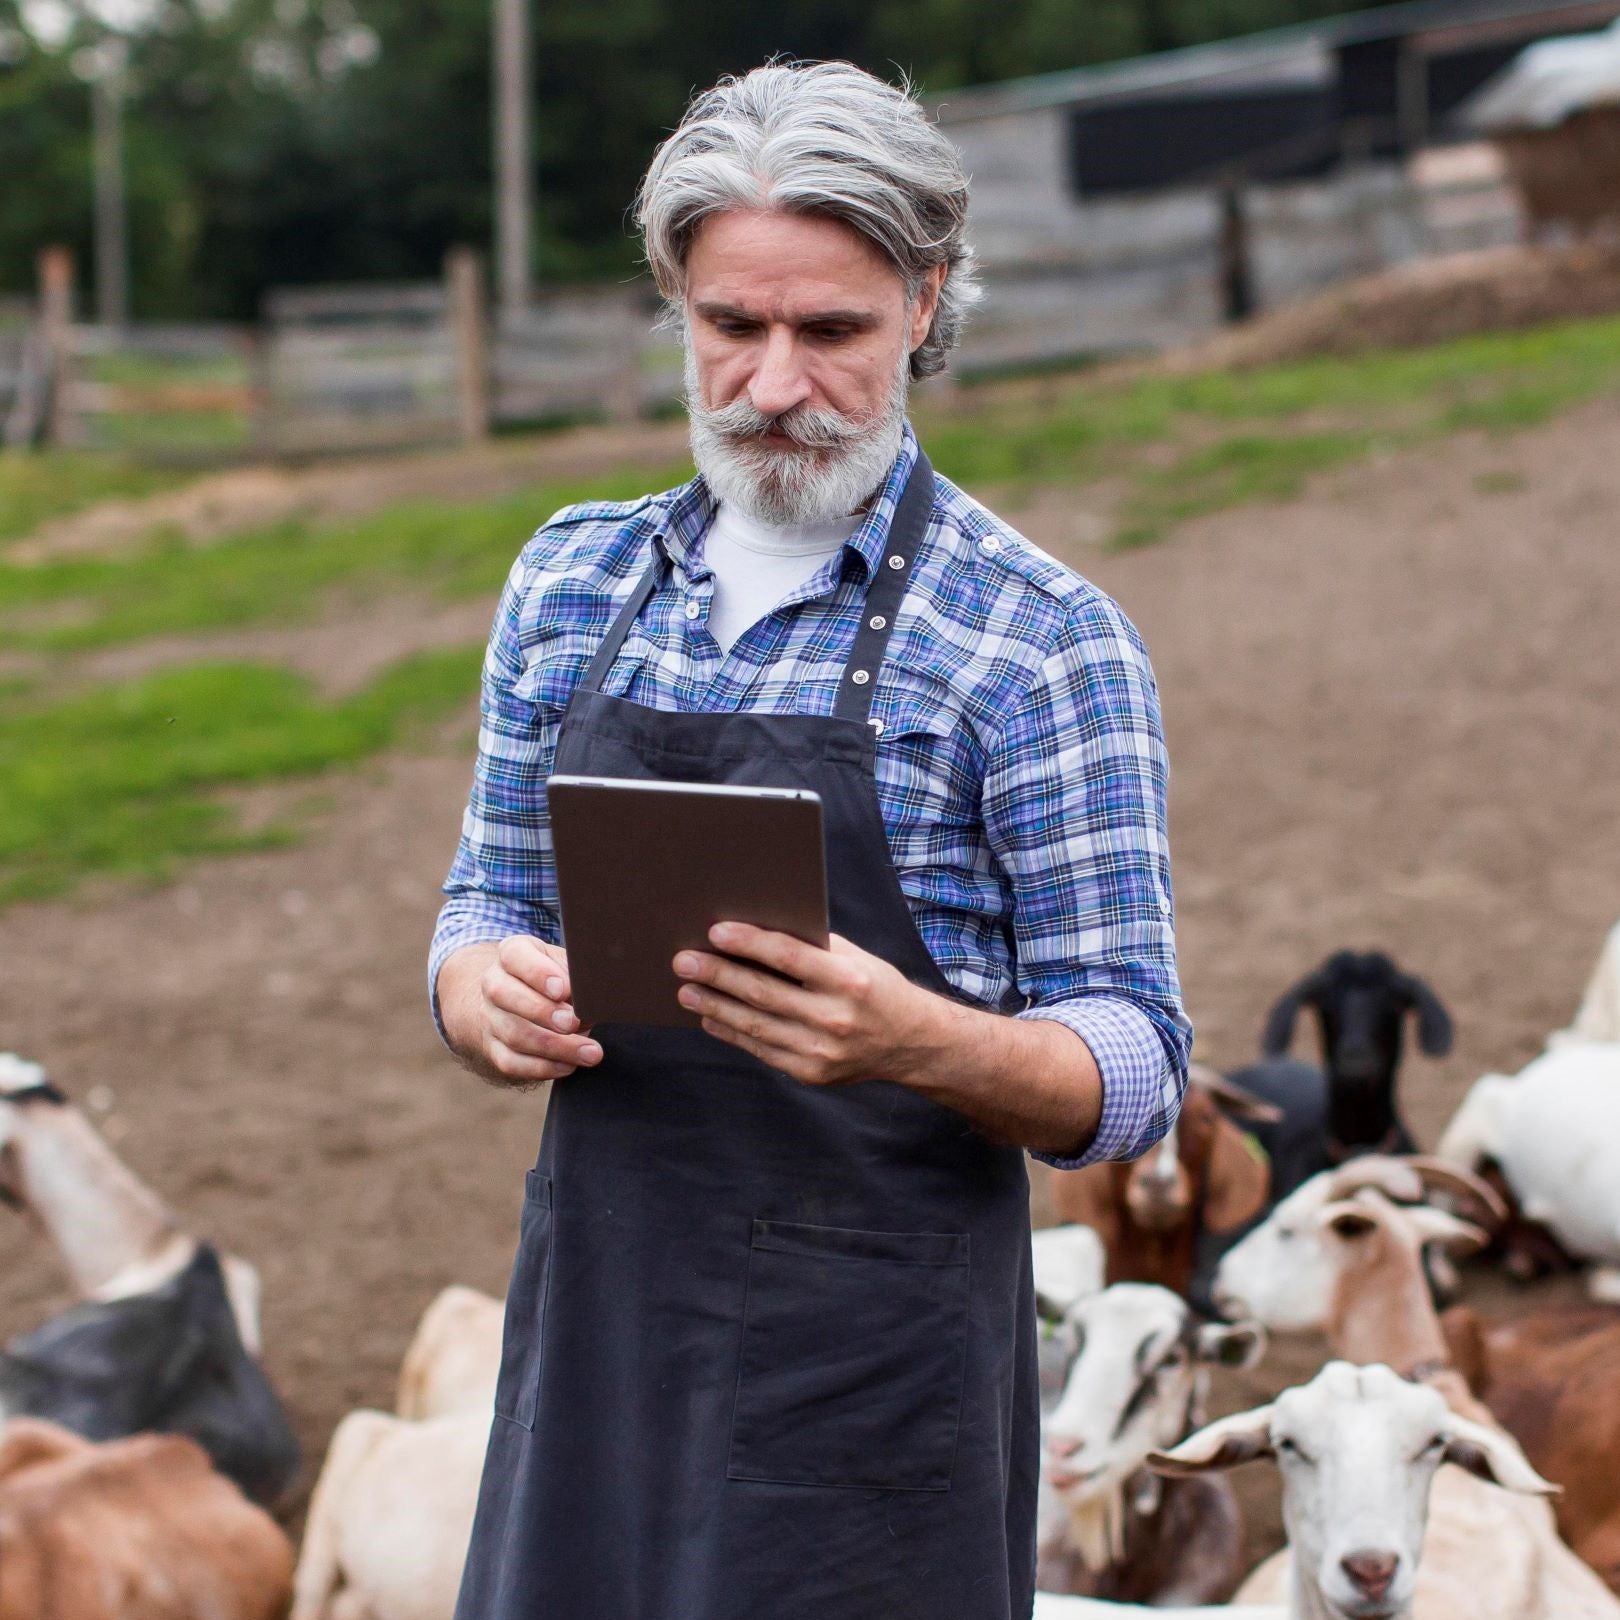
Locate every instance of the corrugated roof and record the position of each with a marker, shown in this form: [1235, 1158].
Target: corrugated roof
[1299, 55]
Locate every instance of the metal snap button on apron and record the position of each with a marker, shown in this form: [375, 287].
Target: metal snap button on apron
[877, 621]
[860, 677]
[897, 561]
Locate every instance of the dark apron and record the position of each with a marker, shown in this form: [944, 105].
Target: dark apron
[769, 1348]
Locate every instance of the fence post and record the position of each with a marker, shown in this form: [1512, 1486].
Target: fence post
[55, 332]
[464, 295]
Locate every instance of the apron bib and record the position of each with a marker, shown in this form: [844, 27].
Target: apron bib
[769, 1349]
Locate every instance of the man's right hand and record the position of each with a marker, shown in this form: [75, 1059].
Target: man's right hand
[507, 1015]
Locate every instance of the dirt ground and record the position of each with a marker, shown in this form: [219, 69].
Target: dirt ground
[1392, 710]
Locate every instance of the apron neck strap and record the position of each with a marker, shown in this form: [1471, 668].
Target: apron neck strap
[883, 595]
[884, 591]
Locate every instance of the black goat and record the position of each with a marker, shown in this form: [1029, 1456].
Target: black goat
[1361, 1002]
[169, 1360]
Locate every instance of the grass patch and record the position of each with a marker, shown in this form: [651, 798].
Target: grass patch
[120, 780]
[50, 483]
[1250, 435]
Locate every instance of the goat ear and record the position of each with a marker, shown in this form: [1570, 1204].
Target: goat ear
[1490, 1455]
[1238, 1180]
[1434, 1022]
[1240, 1345]
[1436, 1226]
[1279, 1031]
[1347, 1220]
[1226, 1443]
[1234, 1099]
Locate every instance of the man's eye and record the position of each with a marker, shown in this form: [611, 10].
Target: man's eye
[831, 334]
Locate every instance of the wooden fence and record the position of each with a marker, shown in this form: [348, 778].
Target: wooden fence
[334, 369]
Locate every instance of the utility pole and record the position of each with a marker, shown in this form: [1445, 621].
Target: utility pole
[103, 65]
[514, 181]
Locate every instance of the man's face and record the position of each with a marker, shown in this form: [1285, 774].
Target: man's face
[799, 336]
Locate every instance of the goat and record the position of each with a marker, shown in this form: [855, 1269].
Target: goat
[1166, 1218]
[391, 1518]
[1361, 1002]
[1550, 1379]
[115, 1236]
[1598, 1018]
[163, 1340]
[1339, 1256]
[135, 1529]
[1554, 1131]
[454, 1356]
[1136, 1381]
[1360, 1449]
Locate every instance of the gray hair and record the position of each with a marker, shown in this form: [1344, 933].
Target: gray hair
[822, 138]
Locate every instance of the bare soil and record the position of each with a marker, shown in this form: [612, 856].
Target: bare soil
[1392, 708]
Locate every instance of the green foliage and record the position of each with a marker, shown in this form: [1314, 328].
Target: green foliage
[267, 145]
[123, 780]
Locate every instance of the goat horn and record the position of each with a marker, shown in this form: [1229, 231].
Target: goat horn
[1396, 1178]
[1436, 1173]
[1237, 1100]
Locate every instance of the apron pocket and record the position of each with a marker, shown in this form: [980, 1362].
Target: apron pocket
[853, 1350]
[517, 1390]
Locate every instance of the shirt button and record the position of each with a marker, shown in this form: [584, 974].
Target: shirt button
[693, 609]
[897, 561]
[990, 544]
[860, 677]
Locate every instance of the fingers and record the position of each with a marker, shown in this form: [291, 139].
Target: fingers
[744, 983]
[806, 963]
[746, 1020]
[521, 1069]
[535, 1041]
[542, 967]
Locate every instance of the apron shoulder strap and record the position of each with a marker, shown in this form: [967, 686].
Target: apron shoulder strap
[620, 628]
[885, 591]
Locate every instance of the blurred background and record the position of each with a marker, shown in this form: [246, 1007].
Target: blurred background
[1301, 337]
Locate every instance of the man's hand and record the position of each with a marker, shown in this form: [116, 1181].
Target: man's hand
[506, 1012]
[847, 1015]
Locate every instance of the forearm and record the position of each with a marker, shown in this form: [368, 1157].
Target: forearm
[1028, 1081]
[456, 1001]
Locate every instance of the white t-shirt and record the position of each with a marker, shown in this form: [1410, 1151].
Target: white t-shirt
[757, 564]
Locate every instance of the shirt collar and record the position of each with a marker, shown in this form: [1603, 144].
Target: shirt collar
[692, 506]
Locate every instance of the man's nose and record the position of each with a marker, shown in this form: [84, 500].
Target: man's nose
[779, 382]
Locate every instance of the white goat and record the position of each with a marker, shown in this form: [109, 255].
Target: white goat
[1555, 1132]
[1339, 1256]
[1599, 1016]
[1136, 1383]
[116, 1237]
[1359, 1449]
[391, 1517]
[454, 1356]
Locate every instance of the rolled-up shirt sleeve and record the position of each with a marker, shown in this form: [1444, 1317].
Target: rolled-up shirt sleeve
[494, 886]
[1075, 809]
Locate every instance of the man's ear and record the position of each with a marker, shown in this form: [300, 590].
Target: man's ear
[925, 305]
[1491, 1456]
[1226, 1443]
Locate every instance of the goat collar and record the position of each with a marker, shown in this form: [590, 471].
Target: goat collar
[41, 1091]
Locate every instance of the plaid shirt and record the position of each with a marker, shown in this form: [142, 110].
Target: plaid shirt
[1021, 766]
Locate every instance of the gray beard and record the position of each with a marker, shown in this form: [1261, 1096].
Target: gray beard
[844, 461]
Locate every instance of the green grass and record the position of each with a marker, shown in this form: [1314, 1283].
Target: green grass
[1187, 445]
[121, 780]
[50, 483]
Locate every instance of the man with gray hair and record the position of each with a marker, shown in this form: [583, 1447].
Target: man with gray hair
[769, 1347]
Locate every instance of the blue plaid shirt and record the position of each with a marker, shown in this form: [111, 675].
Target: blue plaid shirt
[1021, 766]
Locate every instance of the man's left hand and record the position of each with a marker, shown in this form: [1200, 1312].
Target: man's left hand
[838, 1015]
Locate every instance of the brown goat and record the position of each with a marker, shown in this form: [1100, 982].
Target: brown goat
[137, 1529]
[1552, 1380]
[1205, 1178]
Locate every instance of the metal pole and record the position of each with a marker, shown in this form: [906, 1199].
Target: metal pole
[111, 209]
[514, 180]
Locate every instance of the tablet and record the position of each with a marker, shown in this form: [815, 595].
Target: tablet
[645, 869]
